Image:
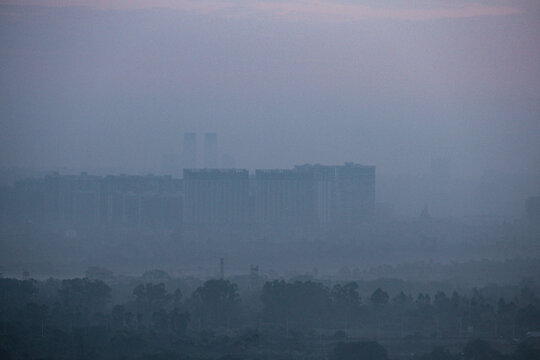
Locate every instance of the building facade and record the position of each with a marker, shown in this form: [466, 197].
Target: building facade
[88, 200]
[284, 196]
[304, 195]
[213, 196]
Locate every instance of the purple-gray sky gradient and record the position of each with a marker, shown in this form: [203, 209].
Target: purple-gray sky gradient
[391, 83]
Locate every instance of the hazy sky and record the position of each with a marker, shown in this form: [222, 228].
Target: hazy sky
[94, 84]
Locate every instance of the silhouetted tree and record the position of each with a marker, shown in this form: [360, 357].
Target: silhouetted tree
[35, 315]
[217, 301]
[528, 318]
[526, 351]
[506, 318]
[15, 293]
[423, 300]
[302, 301]
[84, 294]
[369, 350]
[160, 320]
[179, 321]
[150, 298]
[441, 301]
[439, 353]
[456, 301]
[118, 317]
[346, 301]
[231, 357]
[401, 299]
[177, 298]
[379, 297]
[480, 350]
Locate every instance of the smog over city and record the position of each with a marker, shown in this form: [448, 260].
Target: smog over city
[270, 179]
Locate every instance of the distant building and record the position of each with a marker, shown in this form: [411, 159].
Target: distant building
[307, 194]
[189, 154]
[210, 151]
[213, 196]
[342, 194]
[87, 200]
[284, 196]
[325, 191]
[69, 199]
[142, 200]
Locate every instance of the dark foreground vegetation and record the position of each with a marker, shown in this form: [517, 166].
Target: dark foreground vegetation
[159, 317]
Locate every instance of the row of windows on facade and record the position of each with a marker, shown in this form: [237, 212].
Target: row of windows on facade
[307, 193]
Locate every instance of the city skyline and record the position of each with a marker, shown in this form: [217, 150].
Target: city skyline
[305, 195]
[270, 179]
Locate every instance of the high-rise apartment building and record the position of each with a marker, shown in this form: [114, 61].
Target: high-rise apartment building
[343, 193]
[88, 200]
[307, 194]
[324, 191]
[284, 196]
[213, 196]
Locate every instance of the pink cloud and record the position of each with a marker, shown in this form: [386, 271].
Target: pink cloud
[331, 10]
[322, 10]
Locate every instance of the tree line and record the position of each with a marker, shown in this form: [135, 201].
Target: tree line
[77, 317]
